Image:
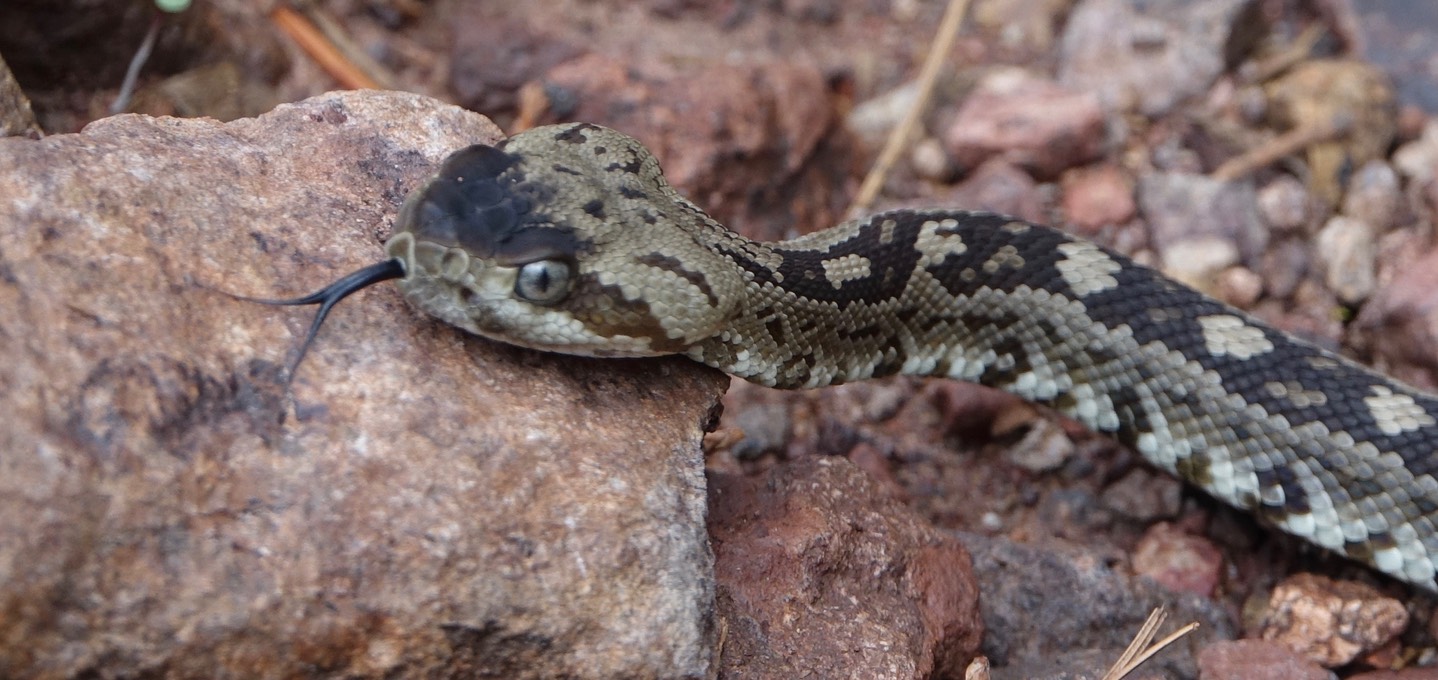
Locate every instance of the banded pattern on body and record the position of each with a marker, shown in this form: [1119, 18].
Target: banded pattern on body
[568, 238]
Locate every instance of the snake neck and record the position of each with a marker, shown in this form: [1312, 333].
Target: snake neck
[905, 292]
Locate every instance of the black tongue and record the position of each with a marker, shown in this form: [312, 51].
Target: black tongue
[330, 295]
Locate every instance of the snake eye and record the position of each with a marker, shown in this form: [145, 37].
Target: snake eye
[543, 282]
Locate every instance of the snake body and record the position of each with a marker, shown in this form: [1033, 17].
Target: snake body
[568, 238]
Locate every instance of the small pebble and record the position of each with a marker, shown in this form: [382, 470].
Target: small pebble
[1417, 160]
[1284, 204]
[931, 162]
[1197, 262]
[1183, 207]
[1178, 561]
[1284, 265]
[872, 119]
[1347, 250]
[766, 429]
[1373, 196]
[1097, 196]
[1043, 449]
[1239, 286]
[1144, 496]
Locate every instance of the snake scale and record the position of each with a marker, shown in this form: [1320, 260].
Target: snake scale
[569, 239]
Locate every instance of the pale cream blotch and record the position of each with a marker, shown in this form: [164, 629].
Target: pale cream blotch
[1086, 268]
[1396, 413]
[850, 267]
[1225, 335]
[1006, 256]
[886, 232]
[937, 243]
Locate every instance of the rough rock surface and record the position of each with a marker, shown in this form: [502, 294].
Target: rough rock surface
[1086, 613]
[1256, 660]
[996, 186]
[822, 574]
[1331, 622]
[1150, 55]
[768, 119]
[1177, 560]
[1097, 196]
[1200, 226]
[1405, 674]
[1347, 251]
[1407, 308]
[1029, 121]
[419, 503]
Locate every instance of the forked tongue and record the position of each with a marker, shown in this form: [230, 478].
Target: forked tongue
[330, 295]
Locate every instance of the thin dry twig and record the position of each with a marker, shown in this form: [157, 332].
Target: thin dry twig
[1286, 144]
[315, 44]
[533, 103]
[132, 74]
[899, 138]
[352, 52]
[1140, 650]
[1299, 50]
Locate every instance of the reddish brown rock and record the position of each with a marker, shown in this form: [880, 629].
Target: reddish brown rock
[1177, 560]
[997, 186]
[1030, 122]
[1145, 495]
[1097, 196]
[493, 55]
[1331, 622]
[1256, 660]
[1406, 312]
[765, 155]
[1405, 674]
[419, 502]
[820, 573]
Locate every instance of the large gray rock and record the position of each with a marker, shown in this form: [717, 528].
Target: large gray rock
[1150, 55]
[419, 503]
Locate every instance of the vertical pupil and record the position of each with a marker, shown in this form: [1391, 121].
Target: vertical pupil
[542, 279]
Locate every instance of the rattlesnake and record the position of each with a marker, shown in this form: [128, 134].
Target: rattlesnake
[568, 238]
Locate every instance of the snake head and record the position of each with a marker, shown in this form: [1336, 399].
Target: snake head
[563, 238]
